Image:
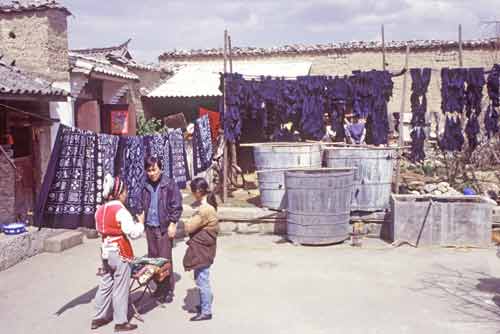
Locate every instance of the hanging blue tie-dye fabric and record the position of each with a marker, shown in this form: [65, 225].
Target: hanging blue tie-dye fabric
[107, 146]
[178, 159]
[73, 195]
[157, 145]
[420, 83]
[202, 145]
[493, 84]
[491, 122]
[131, 168]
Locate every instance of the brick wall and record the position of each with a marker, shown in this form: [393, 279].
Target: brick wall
[38, 41]
[7, 190]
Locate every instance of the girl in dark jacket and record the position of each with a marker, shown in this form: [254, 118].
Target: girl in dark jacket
[202, 229]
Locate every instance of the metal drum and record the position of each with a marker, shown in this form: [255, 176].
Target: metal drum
[373, 177]
[319, 205]
[287, 155]
[272, 188]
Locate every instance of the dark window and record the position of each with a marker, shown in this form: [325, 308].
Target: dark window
[22, 141]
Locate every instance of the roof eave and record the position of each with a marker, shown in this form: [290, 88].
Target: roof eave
[34, 97]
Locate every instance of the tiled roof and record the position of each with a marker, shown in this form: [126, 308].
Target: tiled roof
[31, 6]
[341, 47]
[14, 82]
[118, 54]
[119, 51]
[202, 79]
[80, 63]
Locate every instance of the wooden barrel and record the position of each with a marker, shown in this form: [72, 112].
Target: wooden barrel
[373, 176]
[319, 205]
[287, 155]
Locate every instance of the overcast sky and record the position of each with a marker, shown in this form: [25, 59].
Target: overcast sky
[156, 26]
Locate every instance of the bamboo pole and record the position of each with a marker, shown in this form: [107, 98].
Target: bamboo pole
[401, 119]
[225, 157]
[384, 62]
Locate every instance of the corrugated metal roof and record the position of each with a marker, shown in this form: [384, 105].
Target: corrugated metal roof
[14, 82]
[203, 79]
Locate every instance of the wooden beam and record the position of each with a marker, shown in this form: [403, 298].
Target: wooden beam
[401, 120]
[6, 108]
[27, 97]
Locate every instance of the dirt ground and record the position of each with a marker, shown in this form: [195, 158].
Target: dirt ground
[264, 285]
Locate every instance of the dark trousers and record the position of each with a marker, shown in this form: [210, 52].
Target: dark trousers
[160, 245]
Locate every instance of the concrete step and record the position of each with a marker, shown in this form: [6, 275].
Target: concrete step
[63, 241]
[496, 215]
[233, 214]
[89, 233]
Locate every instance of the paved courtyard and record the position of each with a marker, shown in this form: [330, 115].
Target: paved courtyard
[262, 285]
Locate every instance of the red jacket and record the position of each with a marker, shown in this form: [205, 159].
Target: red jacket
[109, 227]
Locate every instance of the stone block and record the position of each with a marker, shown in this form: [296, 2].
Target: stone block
[63, 241]
[227, 227]
[267, 228]
[89, 233]
[16, 248]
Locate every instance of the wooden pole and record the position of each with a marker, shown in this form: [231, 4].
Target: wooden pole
[230, 48]
[401, 119]
[232, 146]
[384, 62]
[225, 157]
[460, 56]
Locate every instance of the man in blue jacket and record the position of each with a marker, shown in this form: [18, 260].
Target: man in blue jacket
[162, 204]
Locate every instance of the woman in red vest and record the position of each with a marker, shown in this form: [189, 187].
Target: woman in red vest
[116, 225]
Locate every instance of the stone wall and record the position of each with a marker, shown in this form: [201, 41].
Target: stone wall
[7, 190]
[148, 81]
[37, 41]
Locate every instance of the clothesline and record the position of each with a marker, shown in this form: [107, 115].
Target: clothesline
[82, 158]
[394, 73]
[268, 77]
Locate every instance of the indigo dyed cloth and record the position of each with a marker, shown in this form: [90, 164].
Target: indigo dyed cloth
[179, 166]
[420, 83]
[107, 147]
[131, 168]
[202, 145]
[453, 138]
[73, 194]
[157, 145]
